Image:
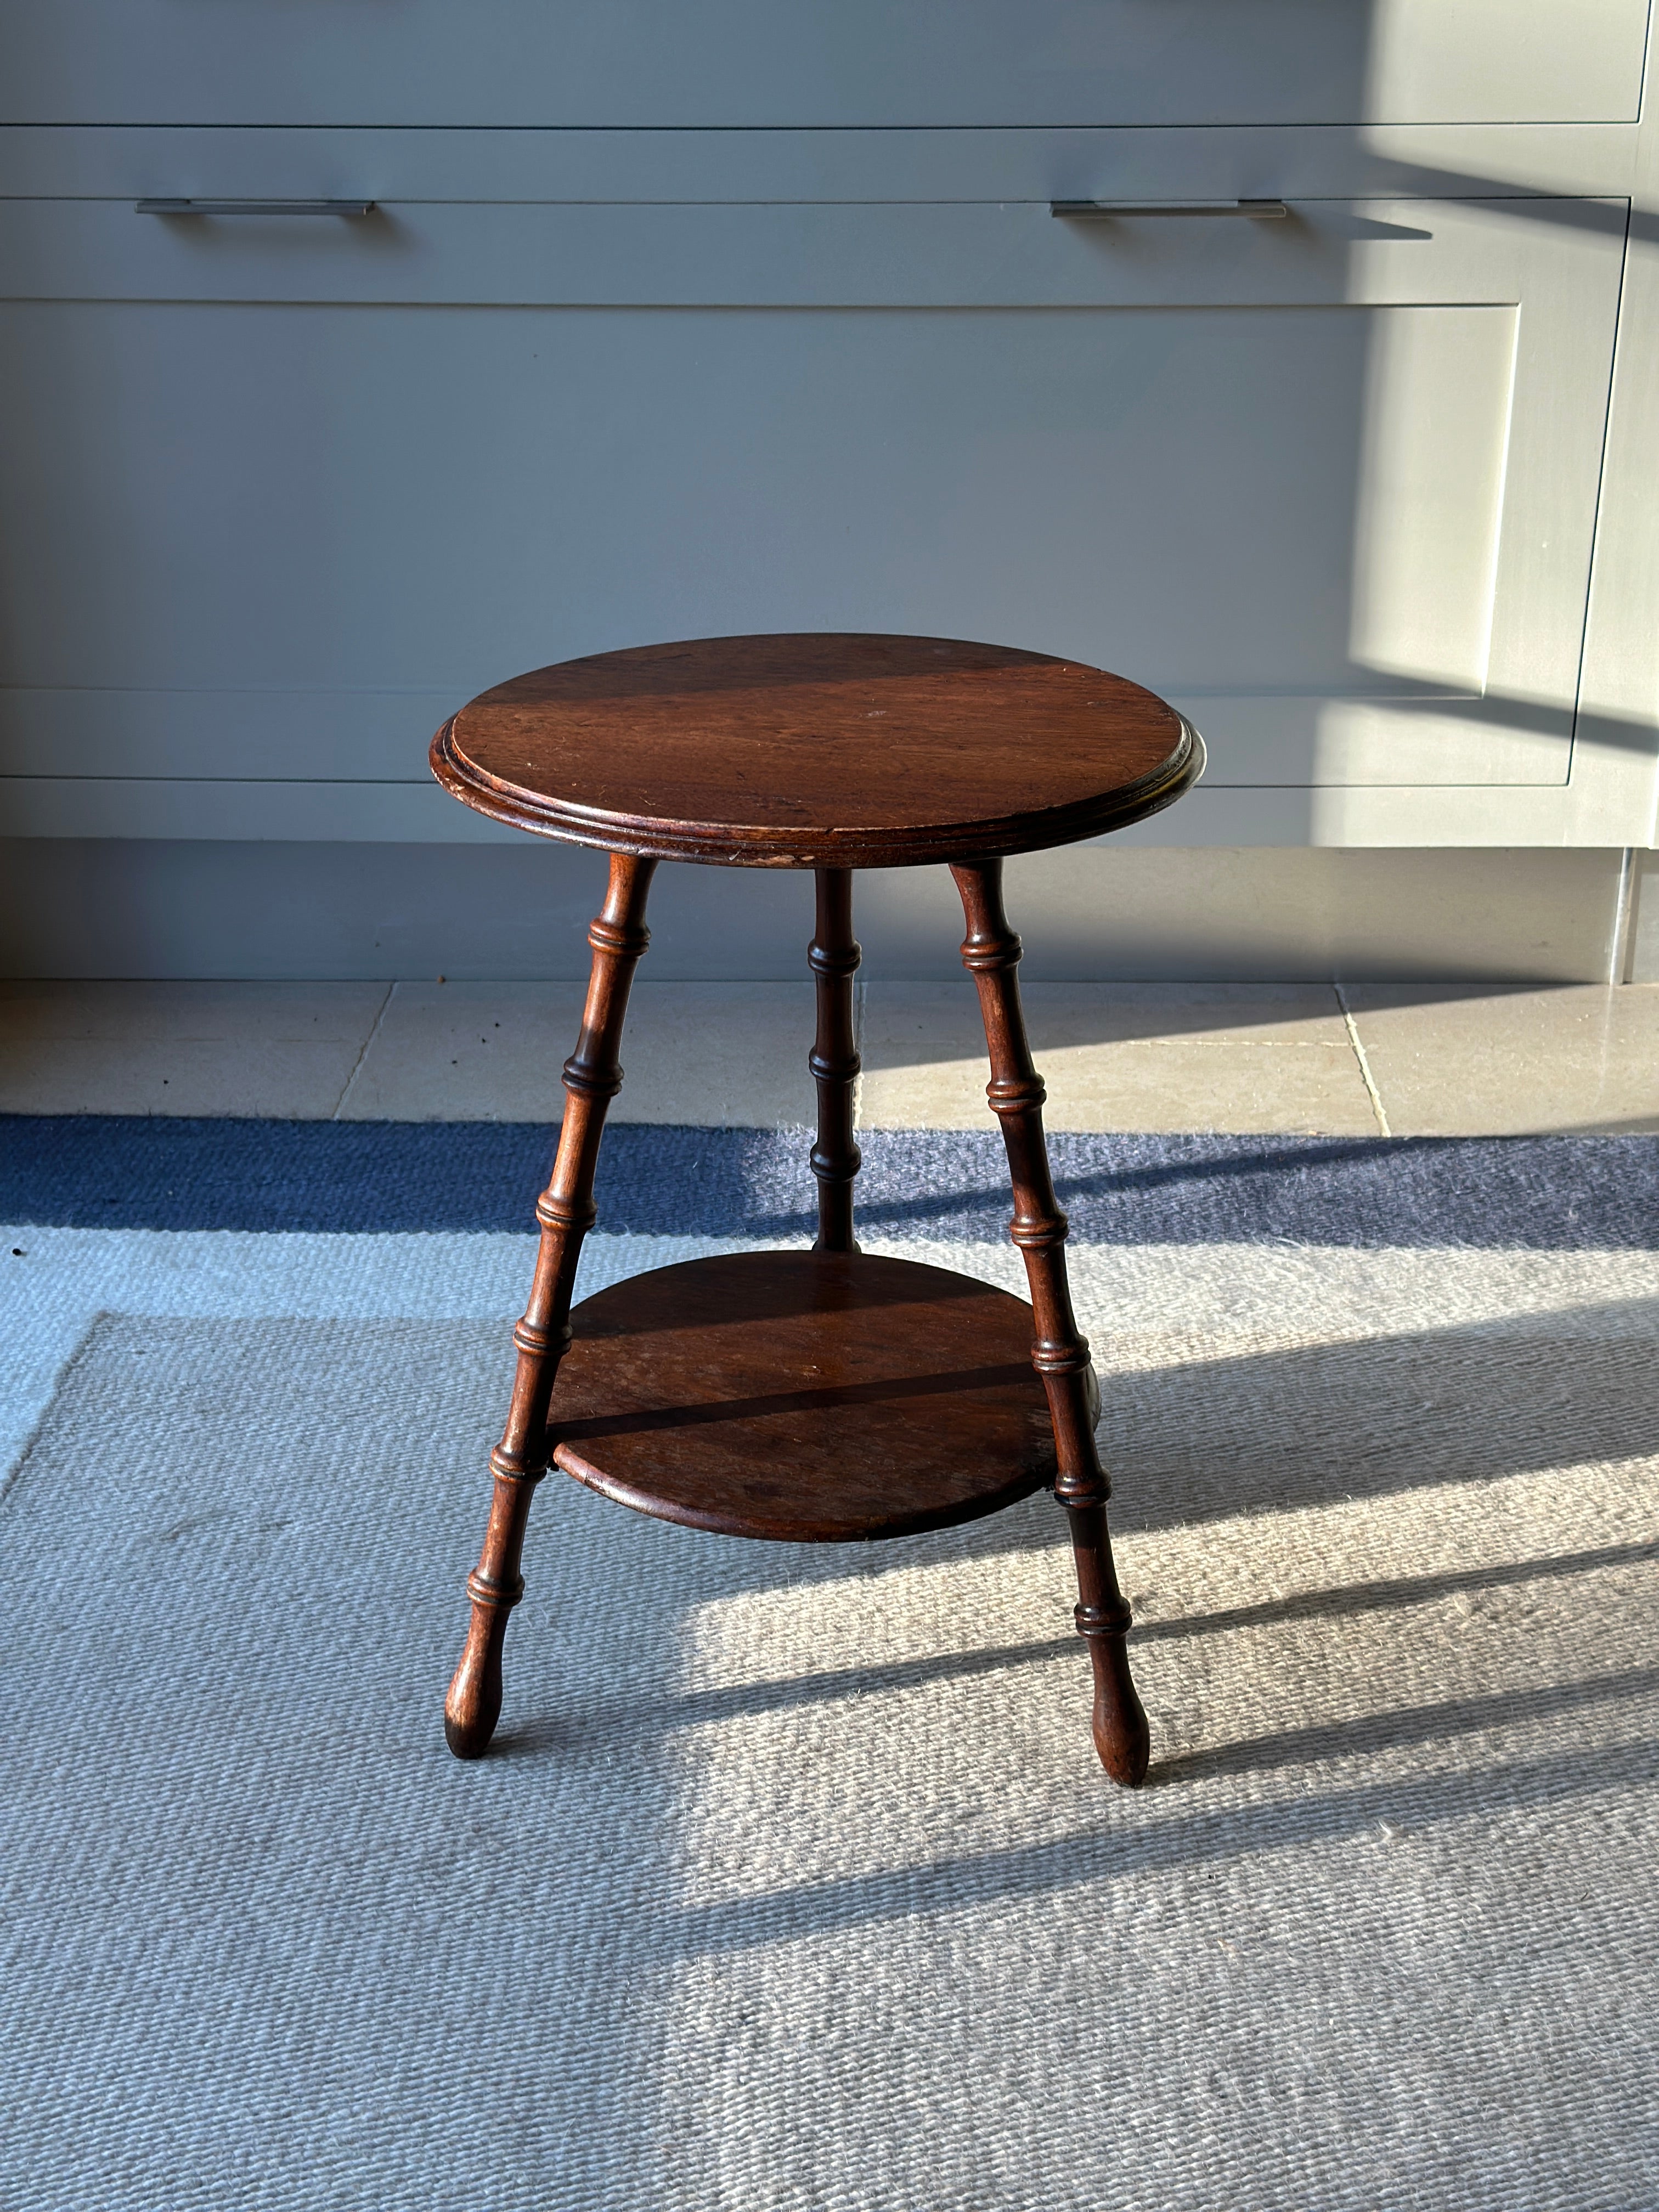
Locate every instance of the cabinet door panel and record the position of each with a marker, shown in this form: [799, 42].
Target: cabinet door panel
[1342, 513]
[749, 63]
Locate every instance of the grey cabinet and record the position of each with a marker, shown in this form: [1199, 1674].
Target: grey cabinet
[296, 487]
[277, 491]
[821, 64]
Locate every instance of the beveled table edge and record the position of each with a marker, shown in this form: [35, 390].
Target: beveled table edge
[652, 1506]
[653, 838]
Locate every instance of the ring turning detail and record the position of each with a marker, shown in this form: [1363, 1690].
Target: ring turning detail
[821, 1396]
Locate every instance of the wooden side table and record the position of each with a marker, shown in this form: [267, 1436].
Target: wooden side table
[824, 1395]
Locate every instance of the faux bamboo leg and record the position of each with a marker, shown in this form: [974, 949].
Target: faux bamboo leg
[834, 957]
[592, 1077]
[991, 952]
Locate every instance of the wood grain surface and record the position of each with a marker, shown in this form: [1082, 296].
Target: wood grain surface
[817, 1397]
[564, 1213]
[833, 957]
[818, 749]
[1060, 1351]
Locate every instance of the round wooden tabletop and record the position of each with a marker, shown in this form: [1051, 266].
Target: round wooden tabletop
[823, 749]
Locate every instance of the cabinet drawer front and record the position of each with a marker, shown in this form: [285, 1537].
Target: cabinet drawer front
[638, 64]
[1333, 491]
[805, 254]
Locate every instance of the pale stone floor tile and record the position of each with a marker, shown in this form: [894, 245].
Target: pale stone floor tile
[285, 1050]
[724, 1054]
[731, 1054]
[1447, 1058]
[1468, 1060]
[1249, 1058]
[464, 1051]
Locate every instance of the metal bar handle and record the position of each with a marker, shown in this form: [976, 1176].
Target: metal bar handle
[1116, 210]
[254, 207]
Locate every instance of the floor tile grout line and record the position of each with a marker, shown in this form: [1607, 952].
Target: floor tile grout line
[1622, 952]
[1371, 1091]
[356, 1065]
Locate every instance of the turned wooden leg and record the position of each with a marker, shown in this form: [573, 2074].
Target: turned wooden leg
[991, 953]
[592, 1077]
[834, 957]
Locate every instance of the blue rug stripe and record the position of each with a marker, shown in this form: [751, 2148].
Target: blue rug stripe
[1556, 1194]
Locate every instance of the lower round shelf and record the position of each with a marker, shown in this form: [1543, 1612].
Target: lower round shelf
[816, 1397]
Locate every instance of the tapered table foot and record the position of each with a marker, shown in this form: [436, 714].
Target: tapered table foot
[474, 1703]
[1122, 1739]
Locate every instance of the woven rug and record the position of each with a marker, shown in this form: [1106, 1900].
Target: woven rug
[792, 1881]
